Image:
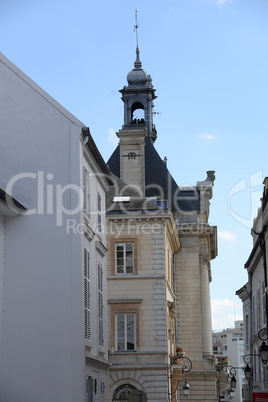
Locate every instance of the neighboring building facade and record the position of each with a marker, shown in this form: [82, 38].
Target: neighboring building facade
[254, 297]
[53, 253]
[230, 343]
[158, 280]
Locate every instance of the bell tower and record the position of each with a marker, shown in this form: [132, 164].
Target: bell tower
[137, 96]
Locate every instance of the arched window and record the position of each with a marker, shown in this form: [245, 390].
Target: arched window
[129, 393]
[121, 393]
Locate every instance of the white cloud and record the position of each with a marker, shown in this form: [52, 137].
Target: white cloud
[208, 137]
[112, 136]
[222, 2]
[225, 235]
[224, 313]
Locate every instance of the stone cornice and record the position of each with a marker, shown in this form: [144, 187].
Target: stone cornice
[88, 231]
[122, 301]
[100, 247]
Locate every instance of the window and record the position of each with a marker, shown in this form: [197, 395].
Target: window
[125, 335]
[87, 294]
[85, 190]
[100, 305]
[124, 258]
[99, 212]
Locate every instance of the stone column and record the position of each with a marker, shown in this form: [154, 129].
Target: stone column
[205, 306]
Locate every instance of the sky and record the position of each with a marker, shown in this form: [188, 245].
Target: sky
[208, 60]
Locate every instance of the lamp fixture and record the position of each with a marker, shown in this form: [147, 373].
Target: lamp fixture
[247, 371]
[264, 352]
[185, 366]
[186, 389]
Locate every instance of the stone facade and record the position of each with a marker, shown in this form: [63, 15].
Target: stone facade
[167, 289]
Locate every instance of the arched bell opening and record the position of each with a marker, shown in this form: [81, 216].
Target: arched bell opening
[137, 113]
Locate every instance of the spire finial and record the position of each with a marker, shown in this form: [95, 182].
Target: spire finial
[137, 63]
[136, 26]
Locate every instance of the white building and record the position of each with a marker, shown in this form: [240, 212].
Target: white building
[52, 250]
[230, 343]
[254, 297]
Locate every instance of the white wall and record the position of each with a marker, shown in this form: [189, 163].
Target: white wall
[42, 340]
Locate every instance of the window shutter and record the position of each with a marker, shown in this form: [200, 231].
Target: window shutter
[85, 188]
[263, 303]
[99, 212]
[87, 293]
[102, 391]
[89, 389]
[100, 305]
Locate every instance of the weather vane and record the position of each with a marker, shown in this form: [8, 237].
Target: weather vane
[136, 26]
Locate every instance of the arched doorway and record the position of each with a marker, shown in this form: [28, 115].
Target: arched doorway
[128, 393]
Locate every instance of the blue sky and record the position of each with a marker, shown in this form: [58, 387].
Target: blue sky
[208, 60]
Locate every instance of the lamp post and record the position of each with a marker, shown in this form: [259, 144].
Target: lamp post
[185, 367]
[262, 334]
[230, 372]
[263, 349]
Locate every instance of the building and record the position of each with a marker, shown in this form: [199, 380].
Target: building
[160, 247]
[254, 297]
[52, 250]
[229, 343]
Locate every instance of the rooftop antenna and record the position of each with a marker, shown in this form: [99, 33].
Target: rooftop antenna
[136, 26]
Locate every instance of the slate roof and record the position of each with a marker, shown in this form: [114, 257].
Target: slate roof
[135, 203]
[159, 182]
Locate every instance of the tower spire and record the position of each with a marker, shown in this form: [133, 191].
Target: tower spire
[136, 26]
[137, 63]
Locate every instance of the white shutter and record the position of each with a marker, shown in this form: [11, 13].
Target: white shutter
[100, 305]
[99, 212]
[87, 294]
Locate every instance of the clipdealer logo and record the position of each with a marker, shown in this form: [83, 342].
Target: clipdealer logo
[249, 193]
[50, 196]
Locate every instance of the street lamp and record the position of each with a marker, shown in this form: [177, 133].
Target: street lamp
[247, 371]
[231, 378]
[186, 389]
[185, 367]
[264, 352]
[233, 382]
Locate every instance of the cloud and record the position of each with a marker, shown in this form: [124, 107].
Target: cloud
[207, 137]
[225, 235]
[224, 313]
[112, 136]
[221, 3]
